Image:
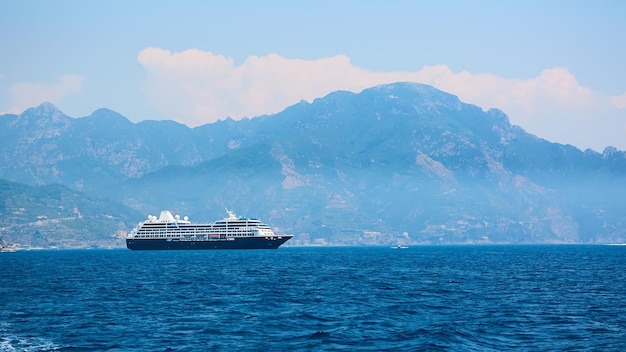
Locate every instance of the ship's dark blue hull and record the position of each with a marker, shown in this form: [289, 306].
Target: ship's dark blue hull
[236, 243]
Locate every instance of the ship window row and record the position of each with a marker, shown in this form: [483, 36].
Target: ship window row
[192, 225]
[198, 230]
[203, 237]
[194, 230]
[190, 236]
[174, 226]
[177, 233]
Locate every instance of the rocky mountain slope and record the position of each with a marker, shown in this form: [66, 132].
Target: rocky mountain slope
[398, 163]
[54, 216]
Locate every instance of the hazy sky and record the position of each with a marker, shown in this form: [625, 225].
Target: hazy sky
[557, 68]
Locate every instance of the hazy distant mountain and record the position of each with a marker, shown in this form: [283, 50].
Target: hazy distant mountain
[395, 163]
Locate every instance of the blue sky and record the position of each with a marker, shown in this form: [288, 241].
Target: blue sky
[555, 67]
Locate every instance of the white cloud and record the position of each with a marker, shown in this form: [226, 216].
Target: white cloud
[619, 101]
[197, 87]
[25, 95]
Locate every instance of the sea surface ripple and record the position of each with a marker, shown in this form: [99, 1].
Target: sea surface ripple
[439, 298]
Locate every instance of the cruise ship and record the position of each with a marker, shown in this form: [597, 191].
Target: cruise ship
[172, 232]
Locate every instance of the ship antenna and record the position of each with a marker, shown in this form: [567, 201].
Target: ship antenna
[231, 214]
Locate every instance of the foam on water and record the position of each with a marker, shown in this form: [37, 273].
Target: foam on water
[14, 342]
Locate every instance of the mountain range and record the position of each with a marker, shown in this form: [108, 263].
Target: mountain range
[397, 163]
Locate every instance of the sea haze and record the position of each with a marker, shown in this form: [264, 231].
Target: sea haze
[465, 298]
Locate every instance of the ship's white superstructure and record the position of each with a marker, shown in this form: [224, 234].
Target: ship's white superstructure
[173, 232]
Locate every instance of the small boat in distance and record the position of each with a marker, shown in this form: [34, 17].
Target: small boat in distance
[399, 247]
[172, 232]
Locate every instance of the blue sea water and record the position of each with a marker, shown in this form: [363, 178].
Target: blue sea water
[448, 298]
